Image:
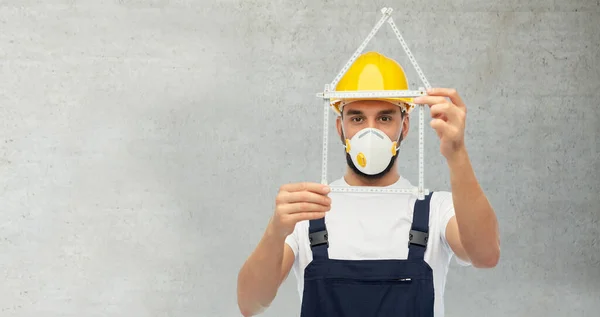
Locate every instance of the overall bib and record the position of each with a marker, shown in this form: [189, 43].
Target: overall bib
[370, 288]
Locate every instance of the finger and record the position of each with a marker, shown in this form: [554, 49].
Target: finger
[305, 186]
[304, 196]
[302, 208]
[307, 216]
[441, 117]
[440, 126]
[445, 110]
[450, 93]
[429, 100]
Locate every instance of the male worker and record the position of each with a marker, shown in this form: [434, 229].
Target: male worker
[370, 254]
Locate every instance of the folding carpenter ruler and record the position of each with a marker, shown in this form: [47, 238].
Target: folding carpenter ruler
[420, 191]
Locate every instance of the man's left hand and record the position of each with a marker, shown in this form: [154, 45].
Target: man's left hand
[448, 118]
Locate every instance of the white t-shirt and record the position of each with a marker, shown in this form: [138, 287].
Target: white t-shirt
[363, 226]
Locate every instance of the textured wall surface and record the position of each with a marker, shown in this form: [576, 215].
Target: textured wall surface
[142, 144]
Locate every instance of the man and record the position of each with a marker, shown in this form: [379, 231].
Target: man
[383, 254]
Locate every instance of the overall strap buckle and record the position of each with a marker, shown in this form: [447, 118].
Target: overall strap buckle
[419, 232]
[417, 237]
[319, 238]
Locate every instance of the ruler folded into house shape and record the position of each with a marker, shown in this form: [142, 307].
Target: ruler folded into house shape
[329, 92]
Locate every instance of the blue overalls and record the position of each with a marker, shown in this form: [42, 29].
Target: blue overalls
[370, 288]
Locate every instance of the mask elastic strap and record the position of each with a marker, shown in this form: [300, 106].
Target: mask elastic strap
[400, 135]
[343, 131]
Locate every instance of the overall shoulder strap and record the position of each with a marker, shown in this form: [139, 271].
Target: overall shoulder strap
[419, 232]
[317, 235]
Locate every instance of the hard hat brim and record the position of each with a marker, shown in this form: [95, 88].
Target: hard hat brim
[404, 103]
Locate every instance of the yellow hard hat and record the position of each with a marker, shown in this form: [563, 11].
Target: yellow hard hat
[373, 71]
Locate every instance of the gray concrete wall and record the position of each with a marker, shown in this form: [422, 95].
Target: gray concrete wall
[142, 144]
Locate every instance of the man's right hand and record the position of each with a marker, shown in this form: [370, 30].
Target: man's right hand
[269, 264]
[299, 201]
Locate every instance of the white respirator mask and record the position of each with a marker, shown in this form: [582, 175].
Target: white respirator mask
[371, 150]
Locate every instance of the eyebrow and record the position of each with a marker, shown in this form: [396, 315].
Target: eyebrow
[382, 112]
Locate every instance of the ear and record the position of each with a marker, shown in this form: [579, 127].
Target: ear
[338, 125]
[405, 126]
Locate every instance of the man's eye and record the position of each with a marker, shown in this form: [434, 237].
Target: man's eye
[386, 118]
[356, 119]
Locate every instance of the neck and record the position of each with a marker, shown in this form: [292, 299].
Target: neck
[354, 179]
